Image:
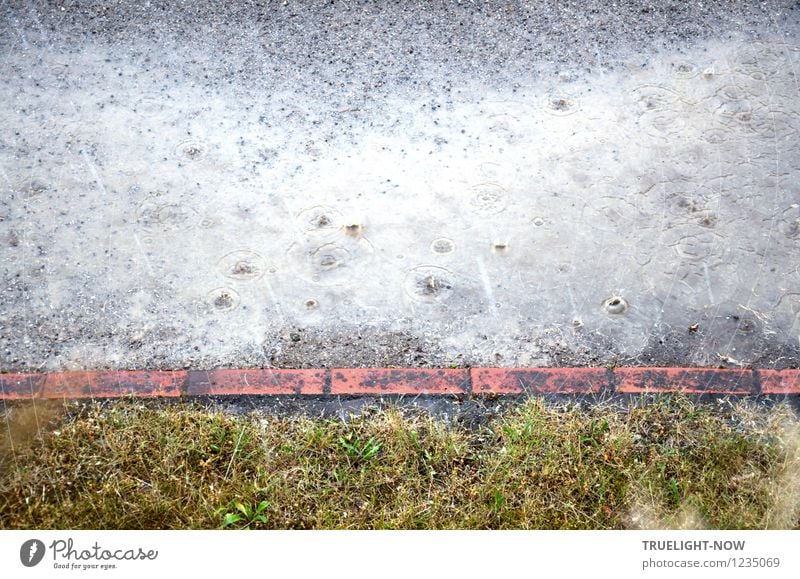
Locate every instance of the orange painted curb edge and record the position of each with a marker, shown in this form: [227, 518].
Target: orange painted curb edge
[398, 381]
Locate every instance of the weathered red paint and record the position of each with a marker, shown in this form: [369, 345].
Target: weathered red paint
[405, 381]
[540, 380]
[21, 386]
[779, 381]
[261, 382]
[684, 380]
[377, 381]
[113, 384]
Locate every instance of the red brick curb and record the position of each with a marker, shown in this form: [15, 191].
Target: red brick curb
[20, 386]
[112, 384]
[684, 380]
[540, 380]
[399, 381]
[255, 382]
[779, 381]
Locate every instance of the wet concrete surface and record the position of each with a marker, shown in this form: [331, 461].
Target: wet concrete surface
[372, 184]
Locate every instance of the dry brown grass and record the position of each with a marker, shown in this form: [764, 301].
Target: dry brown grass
[670, 463]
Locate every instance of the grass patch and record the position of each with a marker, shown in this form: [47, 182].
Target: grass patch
[672, 463]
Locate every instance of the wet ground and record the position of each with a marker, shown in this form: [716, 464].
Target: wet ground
[464, 183]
